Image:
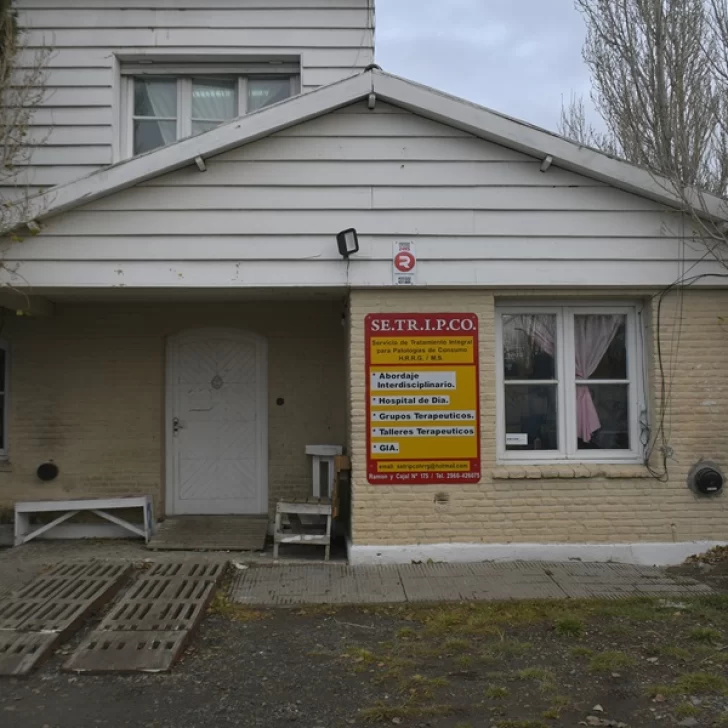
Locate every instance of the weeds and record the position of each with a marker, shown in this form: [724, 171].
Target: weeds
[569, 627]
[610, 661]
[707, 635]
[223, 606]
[496, 692]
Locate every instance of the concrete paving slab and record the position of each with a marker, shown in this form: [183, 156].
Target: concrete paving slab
[292, 585]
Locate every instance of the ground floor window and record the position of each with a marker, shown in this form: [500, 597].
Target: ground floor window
[569, 383]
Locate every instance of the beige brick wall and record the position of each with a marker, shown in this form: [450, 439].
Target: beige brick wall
[614, 504]
[87, 391]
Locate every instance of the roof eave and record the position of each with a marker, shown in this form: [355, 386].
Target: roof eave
[539, 143]
[167, 159]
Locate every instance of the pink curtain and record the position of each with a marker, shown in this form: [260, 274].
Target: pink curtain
[592, 336]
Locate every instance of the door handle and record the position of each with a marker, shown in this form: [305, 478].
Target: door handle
[176, 425]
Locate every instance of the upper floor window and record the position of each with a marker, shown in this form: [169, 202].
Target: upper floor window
[160, 108]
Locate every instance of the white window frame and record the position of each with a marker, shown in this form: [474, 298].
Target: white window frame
[4, 449]
[567, 381]
[184, 76]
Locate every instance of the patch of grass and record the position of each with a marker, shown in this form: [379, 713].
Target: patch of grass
[463, 725]
[708, 635]
[496, 692]
[456, 645]
[520, 724]
[497, 675]
[558, 704]
[634, 609]
[545, 678]
[359, 654]
[406, 633]
[692, 683]
[652, 691]
[533, 673]
[721, 720]
[581, 651]
[463, 661]
[569, 627]
[383, 713]
[686, 710]
[420, 686]
[610, 661]
[506, 647]
[223, 606]
[675, 653]
[702, 683]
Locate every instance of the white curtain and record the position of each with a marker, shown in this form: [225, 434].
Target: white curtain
[592, 337]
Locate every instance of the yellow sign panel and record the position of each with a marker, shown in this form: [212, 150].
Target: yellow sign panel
[422, 398]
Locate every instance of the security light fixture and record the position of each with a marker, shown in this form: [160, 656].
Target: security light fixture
[348, 242]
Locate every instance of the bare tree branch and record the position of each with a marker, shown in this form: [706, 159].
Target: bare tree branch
[23, 74]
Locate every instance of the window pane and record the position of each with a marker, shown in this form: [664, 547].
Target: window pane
[155, 97]
[214, 99]
[600, 346]
[263, 92]
[150, 134]
[529, 345]
[602, 417]
[531, 421]
[199, 126]
[2, 370]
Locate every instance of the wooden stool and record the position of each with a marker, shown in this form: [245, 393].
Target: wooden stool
[295, 531]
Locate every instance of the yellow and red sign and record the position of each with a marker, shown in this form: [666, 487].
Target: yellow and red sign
[423, 405]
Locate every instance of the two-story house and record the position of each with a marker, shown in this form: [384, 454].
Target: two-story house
[525, 356]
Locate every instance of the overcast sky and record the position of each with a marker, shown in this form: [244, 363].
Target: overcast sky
[518, 57]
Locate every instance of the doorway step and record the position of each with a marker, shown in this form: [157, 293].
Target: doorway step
[210, 533]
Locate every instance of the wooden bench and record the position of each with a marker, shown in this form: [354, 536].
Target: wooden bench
[25, 532]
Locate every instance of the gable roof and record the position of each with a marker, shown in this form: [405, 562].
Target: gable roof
[422, 100]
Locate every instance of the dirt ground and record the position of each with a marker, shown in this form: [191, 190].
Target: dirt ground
[637, 663]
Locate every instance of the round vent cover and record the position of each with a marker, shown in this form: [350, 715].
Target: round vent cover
[706, 478]
[47, 471]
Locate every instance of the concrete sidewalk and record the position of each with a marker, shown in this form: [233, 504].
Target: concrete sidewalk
[290, 585]
[260, 581]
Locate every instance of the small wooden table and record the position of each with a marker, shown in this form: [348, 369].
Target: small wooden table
[295, 531]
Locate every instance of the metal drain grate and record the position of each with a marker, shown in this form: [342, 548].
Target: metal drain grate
[200, 570]
[148, 628]
[19, 652]
[128, 652]
[50, 608]
[149, 615]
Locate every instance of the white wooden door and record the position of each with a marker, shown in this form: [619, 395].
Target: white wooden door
[217, 423]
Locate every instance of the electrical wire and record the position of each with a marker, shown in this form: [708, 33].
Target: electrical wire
[659, 435]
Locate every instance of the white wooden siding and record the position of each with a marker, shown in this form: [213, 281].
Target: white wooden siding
[266, 214]
[333, 38]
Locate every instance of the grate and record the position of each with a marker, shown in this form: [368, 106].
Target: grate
[128, 652]
[150, 587]
[200, 570]
[50, 608]
[147, 630]
[21, 651]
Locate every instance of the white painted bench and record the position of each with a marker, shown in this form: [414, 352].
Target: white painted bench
[25, 532]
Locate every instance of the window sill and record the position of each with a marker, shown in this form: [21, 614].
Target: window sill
[577, 470]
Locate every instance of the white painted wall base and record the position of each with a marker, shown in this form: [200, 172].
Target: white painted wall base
[651, 554]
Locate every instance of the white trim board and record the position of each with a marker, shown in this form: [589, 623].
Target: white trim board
[644, 553]
[422, 100]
